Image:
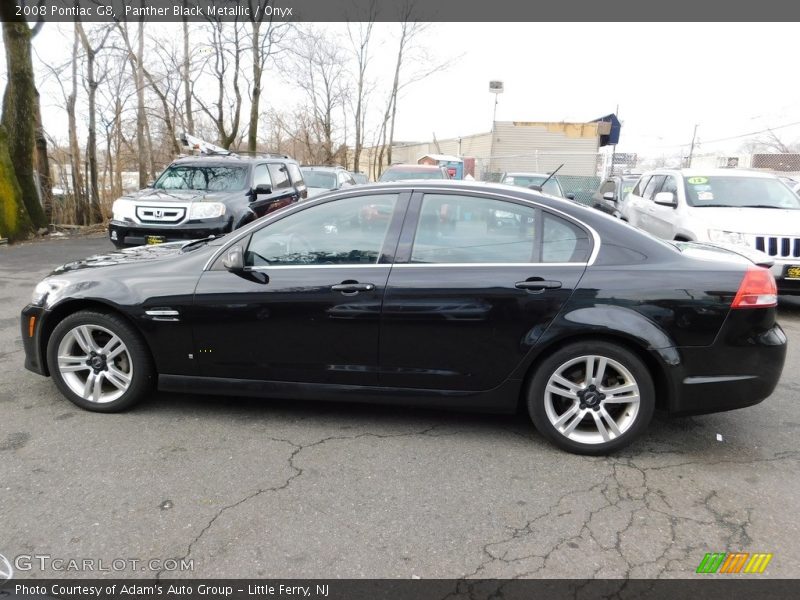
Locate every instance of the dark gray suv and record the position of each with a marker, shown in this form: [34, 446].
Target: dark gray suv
[200, 196]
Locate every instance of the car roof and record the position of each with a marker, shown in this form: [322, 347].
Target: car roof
[230, 160]
[323, 168]
[696, 172]
[416, 167]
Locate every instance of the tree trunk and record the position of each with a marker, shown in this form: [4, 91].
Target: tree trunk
[14, 221]
[141, 116]
[95, 214]
[19, 117]
[252, 132]
[74, 147]
[43, 163]
[187, 86]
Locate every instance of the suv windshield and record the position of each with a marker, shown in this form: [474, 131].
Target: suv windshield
[552, 186]
[319, 179]
[207, 178]
[739, 192]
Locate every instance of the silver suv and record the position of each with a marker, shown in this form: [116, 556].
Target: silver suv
[738, 208]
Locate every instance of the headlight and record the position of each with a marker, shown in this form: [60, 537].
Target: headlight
[45, 288]
[206, 210]
[727, 237]
[122, 209]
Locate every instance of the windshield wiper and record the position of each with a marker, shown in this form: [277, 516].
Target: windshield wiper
[762, 206]
[193, 243]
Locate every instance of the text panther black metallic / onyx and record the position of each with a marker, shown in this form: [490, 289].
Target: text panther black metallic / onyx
[411, 293]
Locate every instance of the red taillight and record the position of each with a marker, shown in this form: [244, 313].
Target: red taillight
[757, 290]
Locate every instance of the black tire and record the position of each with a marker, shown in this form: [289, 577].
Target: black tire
[631, 418]
[133, 363]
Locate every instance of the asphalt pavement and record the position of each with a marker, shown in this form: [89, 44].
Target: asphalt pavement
[237, 487]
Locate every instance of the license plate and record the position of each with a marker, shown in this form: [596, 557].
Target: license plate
[792, 272]
[154, 239]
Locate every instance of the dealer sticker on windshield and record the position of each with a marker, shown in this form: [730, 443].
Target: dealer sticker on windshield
[697, 180]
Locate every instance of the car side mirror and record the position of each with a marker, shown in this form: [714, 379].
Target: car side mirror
[569, 196]
[666, 199]
[261, 189]
[608, 196]
[233, 260]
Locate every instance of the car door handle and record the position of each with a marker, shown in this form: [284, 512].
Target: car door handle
[537, 284]
[352, 287]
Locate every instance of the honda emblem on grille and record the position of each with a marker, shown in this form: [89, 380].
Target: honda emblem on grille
[158, 214]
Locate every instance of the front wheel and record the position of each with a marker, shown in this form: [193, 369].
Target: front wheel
[99, 362]
[591, 397]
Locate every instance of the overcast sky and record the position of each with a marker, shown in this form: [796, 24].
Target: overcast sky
[730, 79]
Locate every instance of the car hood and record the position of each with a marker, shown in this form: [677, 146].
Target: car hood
[182, 196]
[770, 221]
[127, 256]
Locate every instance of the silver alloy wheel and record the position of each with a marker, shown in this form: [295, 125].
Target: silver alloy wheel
[95, 363]
[592, 399]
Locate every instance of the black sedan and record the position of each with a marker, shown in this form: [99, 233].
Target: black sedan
[587, 322]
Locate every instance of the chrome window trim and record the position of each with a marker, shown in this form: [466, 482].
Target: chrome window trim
[493, 264]
[247, 229]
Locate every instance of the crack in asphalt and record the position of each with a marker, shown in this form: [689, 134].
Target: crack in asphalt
[296, 449]
[639, 502]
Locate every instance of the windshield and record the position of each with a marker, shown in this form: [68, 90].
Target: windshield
[319, 179]
[739, 192]
[208, 178]
[402, 174]
[552, 186]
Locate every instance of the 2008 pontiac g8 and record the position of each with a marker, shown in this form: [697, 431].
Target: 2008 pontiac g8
[443, 294]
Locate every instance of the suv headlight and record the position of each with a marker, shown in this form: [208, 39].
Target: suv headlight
[122, 209]
[44, 288]
[727, 237]
[206, 210]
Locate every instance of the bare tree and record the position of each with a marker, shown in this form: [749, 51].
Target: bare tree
[319, 65]
[265, 39]
[96, 214]
[186, 73]
[360, 35]
[224, 68]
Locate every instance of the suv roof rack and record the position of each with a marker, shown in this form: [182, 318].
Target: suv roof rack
[208, 149]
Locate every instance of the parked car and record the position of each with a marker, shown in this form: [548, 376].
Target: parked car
[551, 186]
[611, 193]
[324, 179]
[200, 196]
[586, 321]
[359, 177]
[725, 206]
[408, 172]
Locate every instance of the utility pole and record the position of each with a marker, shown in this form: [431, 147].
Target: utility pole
[691, 148]
[613, 147]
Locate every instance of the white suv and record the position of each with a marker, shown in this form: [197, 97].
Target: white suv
[725, 207]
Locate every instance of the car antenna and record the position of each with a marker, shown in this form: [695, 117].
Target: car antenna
[538, 187]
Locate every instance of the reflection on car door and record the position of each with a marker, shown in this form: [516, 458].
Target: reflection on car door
[476, 282]
[307, 307]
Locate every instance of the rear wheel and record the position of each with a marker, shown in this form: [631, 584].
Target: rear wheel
[591, 397]
[99, 362]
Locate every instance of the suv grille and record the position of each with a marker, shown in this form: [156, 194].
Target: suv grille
[160, 214]
[783, 247]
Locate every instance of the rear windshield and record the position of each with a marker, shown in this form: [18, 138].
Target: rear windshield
[209, 178]
[739, 192]
[319, 179]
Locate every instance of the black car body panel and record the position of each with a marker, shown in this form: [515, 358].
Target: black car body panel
[455, 335]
